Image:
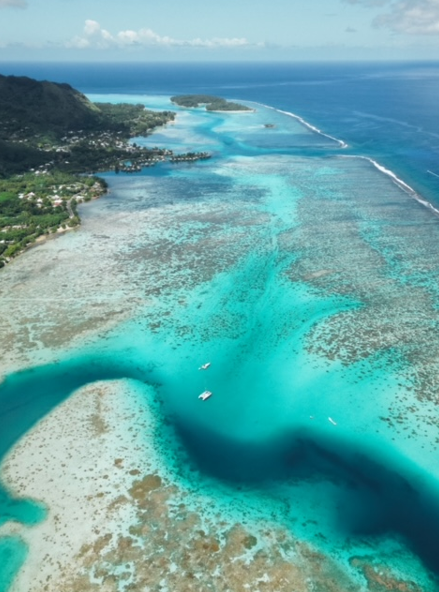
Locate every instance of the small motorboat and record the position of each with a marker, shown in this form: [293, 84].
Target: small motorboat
[204, 366]
[205, 395]
[332, 421]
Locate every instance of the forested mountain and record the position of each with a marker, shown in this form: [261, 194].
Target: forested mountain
[46, 121]
[41, 107]
[30, 108]
[52, 139]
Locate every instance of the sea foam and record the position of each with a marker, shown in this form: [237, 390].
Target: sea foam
[311, 127]
[399, 182]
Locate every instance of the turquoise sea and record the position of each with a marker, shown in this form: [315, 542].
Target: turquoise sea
[302, 261]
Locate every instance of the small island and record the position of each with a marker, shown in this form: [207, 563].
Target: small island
[53, 141]
[211, 103]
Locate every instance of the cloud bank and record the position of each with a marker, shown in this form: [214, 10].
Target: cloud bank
[368, 2]
[415, 17]
[13, 3]
[94, 36]
[412, 17]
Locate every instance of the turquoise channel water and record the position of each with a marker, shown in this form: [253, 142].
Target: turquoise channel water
[309, 279]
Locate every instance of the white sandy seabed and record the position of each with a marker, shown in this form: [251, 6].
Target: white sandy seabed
[77, 460]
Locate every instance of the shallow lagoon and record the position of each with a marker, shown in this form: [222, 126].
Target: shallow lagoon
[308, 279]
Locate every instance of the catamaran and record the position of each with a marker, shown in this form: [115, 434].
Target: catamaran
[205, 395]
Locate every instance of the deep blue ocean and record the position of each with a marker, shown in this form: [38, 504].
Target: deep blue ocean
[307, 276]
[387, 111]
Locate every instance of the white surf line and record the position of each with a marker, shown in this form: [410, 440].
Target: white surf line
[313, 128]
[431, 173]
[404, 186]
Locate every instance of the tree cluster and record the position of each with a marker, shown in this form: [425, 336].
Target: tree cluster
[211, 103]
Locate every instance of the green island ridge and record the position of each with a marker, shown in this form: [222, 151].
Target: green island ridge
[211, 103]
[53, 141]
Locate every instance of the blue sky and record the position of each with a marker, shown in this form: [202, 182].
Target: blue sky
[95, 30]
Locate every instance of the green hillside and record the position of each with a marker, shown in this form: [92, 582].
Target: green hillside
[32, 110]
[52, 140]
[47, 122]
[28, 106]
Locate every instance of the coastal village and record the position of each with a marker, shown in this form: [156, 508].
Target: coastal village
[50, 193]
[46, 205]
[114, 152]
[41, 201]
[61, 194]
[50, 156]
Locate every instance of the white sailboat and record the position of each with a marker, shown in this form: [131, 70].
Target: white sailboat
[205, 395]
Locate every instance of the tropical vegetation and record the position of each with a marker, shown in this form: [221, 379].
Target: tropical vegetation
[50, 135]
[211, 103]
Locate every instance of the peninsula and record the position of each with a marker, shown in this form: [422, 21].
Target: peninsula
[53, 141]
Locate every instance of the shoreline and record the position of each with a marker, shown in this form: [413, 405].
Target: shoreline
[204, 110]
[43, 238]
[227, 110]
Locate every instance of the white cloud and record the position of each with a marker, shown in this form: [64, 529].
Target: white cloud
[13, 3]
[95, 36]
[413, 17]
[91, 28]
